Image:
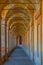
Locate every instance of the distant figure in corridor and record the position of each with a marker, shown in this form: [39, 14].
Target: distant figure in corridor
[20, 41]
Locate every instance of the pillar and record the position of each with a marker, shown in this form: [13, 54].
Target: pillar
[42, 32]
[3, 40]
[0, 41]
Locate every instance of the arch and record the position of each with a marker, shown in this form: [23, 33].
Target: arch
[9, 6]
[16, 23]
[19, 30]
[11, 18]
[4, 12]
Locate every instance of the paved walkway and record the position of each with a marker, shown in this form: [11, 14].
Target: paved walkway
[18, 57]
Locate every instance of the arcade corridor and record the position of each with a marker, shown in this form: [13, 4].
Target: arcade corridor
[21, 32]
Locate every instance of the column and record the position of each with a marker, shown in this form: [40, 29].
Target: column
[42, 32]
[0, 41]
[7, 34]
[2, 38]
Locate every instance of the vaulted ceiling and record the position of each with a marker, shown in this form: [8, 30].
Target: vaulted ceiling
[18, 13]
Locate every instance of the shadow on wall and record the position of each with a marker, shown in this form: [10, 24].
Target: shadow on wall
[29, 53]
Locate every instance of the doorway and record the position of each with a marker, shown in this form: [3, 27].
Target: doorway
[20, 40]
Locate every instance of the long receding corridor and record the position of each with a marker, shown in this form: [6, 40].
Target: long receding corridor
[21, 32]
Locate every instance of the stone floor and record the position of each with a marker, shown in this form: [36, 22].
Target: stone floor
[18, 57]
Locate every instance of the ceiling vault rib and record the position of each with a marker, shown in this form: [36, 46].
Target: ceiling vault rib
[17, 9]
[20, 17]
[20, 3]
